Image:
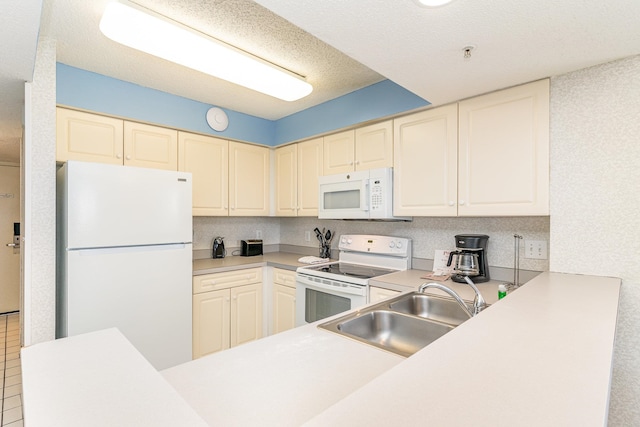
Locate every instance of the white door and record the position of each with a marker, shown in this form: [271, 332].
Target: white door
[9, 256]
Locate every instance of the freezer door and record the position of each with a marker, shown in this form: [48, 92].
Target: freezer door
[145, 292]
[107, 205]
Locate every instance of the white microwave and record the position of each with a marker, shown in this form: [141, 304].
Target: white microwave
[357, 195]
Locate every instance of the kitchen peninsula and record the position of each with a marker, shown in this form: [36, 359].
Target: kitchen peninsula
[542, 356]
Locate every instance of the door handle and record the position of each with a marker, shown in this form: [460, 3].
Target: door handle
[11, 245]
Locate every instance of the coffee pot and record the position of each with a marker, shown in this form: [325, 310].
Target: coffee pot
[218, 248]
[471, 258]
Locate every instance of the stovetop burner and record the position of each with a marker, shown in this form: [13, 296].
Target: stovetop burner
[351, 270]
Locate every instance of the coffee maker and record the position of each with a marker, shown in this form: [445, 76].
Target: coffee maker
[471, 258]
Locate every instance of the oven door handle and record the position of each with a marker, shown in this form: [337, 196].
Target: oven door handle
[347, 288]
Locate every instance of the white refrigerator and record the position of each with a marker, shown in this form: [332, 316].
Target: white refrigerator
[124, 257]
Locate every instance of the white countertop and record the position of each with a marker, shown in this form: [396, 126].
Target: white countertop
[540, 357]
[97, 379]
[282, 380]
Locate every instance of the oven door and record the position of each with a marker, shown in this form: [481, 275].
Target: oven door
[318, 298]
[344, 196]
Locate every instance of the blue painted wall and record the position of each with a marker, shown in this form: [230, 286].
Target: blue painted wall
[378, 100]
[95, 92]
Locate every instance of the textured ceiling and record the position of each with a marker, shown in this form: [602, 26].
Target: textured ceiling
[241, 23]
[516, 41]
[19, 35]
[335, 43]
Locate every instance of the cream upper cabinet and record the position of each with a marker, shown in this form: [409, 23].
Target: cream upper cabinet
[286, 176]
[88, 137]
[207, 158]
[374, 146]
[248, 180]
[149, 146]
[310, 166]
[339, 152]
[504, 152]
[425, 163]
[297, 169]
[368, 147]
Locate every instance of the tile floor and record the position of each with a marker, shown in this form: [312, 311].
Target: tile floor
[11, 378]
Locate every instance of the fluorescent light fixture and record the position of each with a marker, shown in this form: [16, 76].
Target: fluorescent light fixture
[433, 3]
[149, 32]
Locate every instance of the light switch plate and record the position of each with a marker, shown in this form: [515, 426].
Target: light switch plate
[535, 249]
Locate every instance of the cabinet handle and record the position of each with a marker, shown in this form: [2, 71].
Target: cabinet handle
[118, 156]
[357, 162]
[451, 203]
[461, 203]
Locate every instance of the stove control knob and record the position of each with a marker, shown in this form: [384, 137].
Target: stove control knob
[392, 244]
[349, 241]
[343, 240]
[399, 245]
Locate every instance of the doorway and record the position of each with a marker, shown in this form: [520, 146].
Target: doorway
[9, 238]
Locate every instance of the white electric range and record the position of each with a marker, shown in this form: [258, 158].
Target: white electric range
[323, 290]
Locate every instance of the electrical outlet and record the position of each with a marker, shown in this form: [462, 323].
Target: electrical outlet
[535, 249]
[258, 234]
[307, 236]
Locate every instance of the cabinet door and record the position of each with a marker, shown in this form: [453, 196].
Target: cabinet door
[207, 159]
[88, 137]
[425, 163]
[149, 146]
[211, 327]
[504, 152]
[246, 314]
[309, 169]
[286, 164]
[284, 308]
[339, 152]
[378, 294]
[374, 146]
[248, 180]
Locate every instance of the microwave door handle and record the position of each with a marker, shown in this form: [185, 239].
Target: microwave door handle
[365, 195]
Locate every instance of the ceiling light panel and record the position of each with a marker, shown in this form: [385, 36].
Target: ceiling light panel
[146, 31]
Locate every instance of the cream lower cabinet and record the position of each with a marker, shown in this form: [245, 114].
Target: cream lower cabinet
[284, 300]
[207, 158]
[227, 310]
[485, 156]
[249, 187]
[298, 167]
[378, 294]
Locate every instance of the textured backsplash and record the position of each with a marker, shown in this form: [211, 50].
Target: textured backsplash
[428, 234]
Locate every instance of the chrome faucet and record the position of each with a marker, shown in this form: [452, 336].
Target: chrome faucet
[478, 302]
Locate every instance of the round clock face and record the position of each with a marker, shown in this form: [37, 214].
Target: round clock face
[217, 119]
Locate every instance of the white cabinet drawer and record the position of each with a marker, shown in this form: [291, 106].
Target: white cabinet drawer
[228, 279]
[284, 277]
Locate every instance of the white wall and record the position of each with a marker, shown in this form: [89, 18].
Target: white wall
[40, 199]
[595, 208]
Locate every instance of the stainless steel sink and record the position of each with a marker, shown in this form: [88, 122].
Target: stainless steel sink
[396, 332]
[431, 307]
[402, 325]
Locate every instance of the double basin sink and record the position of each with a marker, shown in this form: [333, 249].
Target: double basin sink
[403, 324]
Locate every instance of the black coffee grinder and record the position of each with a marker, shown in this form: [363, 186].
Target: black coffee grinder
[471, 258]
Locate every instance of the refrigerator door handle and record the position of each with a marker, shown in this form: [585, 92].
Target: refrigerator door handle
[126, 249]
